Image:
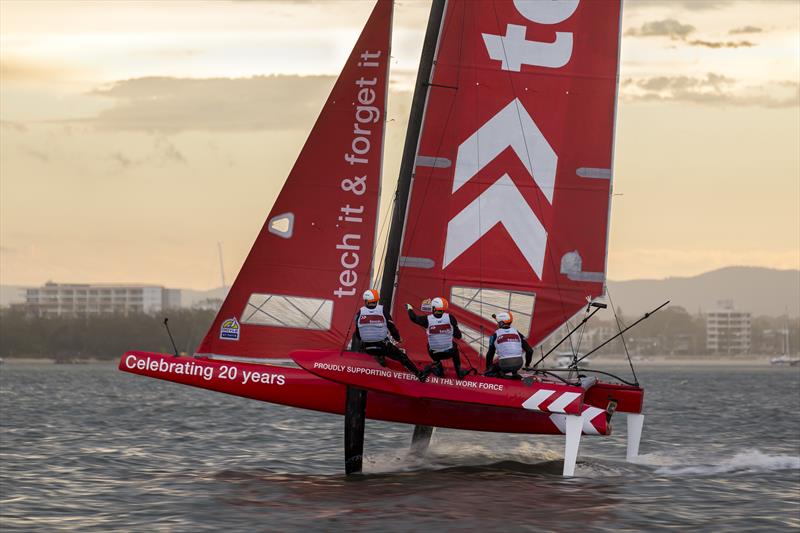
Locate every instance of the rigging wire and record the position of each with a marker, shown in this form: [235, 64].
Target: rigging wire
[564, 312]
[580, 340]
[384, 225]
[427, 176]
[410, 232]
[480, 225]
[620, 323]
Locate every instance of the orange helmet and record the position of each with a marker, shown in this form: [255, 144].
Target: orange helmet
[439, 304]
[371, 296]
[504, 318]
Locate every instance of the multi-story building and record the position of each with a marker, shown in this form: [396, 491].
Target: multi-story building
[727, 329]
[55, 299]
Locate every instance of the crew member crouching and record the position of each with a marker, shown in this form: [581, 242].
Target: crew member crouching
[373, 326]
[509, 345]
[442, 328]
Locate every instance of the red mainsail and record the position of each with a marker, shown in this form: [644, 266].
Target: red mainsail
[303, 279]
[509, 204]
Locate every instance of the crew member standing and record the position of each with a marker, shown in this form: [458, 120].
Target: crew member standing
[372, 336]
[442, 328]
[509, 345]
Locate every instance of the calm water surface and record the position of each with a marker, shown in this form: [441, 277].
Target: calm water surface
[90, 448]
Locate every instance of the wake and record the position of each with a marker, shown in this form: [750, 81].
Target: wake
[750, 462]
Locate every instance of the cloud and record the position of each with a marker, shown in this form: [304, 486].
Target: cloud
[13, 126]
[745, 29]
[174, 104]
[35, 154]
[16, 70]
[163, 153]
[678, 31]
[711, 89]
[124, 161]
[662, 28]
[721, 44]
[691, 5]
[704, 5]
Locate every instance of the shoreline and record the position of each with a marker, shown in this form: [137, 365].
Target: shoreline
[684, 360]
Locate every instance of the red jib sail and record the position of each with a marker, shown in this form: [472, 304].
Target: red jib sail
[509, 204]
[304, 277]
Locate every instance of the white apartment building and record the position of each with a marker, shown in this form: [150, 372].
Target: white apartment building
[55, 299]
[727, 329]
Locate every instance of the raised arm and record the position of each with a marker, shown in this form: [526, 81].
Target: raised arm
[420, 320]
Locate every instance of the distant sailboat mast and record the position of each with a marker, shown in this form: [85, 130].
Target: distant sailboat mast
[221, 267]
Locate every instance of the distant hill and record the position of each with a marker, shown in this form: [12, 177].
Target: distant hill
[761, 291]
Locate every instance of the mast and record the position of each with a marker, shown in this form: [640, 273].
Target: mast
[221, 266]
[410, 152]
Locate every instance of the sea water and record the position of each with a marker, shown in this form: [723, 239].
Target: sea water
[89, 448]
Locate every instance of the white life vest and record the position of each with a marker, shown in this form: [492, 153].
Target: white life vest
[372, 324]
[508, 343]
[440, 333]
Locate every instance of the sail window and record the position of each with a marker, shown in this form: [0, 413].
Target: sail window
[282, 225]
[485, 302]
[288, 311]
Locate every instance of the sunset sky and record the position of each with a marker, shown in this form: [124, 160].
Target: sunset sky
[137, 135]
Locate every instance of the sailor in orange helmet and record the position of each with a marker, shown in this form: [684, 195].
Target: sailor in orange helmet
[374, 325]
[442, 328]
[509, 345]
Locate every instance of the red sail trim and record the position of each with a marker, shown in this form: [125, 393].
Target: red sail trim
[511, 189]
[303, 279]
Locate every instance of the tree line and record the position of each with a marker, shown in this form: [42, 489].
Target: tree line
[670, 331]
[104, 336]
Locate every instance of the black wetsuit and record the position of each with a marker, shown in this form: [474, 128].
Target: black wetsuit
[384, 348]
[494, 369]
[438, 357]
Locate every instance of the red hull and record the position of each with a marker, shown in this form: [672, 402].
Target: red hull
[364, 372]
[298, 388]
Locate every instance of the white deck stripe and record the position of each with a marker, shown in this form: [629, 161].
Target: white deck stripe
[589, 415]
[562, 402]
[538, 397]
[560, 421]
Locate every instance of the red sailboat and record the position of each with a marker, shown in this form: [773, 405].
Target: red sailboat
[502, 205]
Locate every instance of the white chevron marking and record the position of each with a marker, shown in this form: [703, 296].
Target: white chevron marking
[562, 402]
[589, 415]
[502, 203]
[536, 399]
[560, 421]
[511, 126]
